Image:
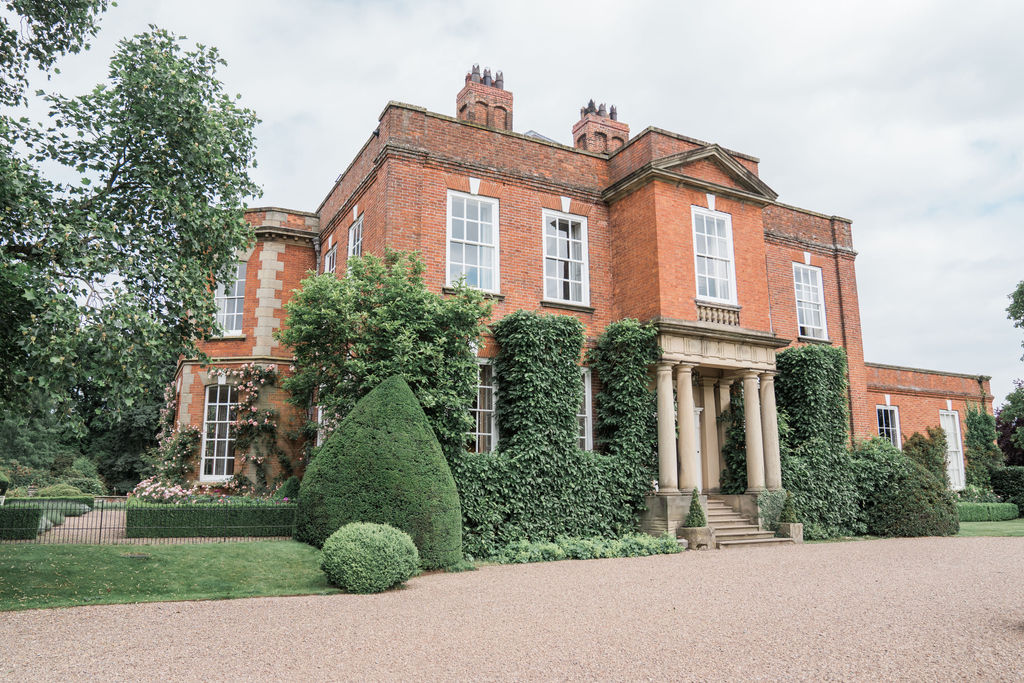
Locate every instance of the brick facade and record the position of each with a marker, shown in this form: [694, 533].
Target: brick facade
[637, 195]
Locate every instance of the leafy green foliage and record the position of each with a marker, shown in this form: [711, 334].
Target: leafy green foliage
[540, 484]
[696, 517]
[981, 454]
[976, 494]
[919, 504]
[383, 464]
[34, 33]
[1008, 484]
[788, 514]
[19, 523]
[369, 558]
[289, 489]
[348, 335]
[575, 548]
[929, 452]
[111, 258]
[59, 491]
[33, 437]
[987, 512]
[1010, 426]
[734, 450]
[234, 517]
[811, 391]
[769, 508]
[877, 466]
[5, 483]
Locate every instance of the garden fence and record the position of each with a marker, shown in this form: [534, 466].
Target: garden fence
[112, 520]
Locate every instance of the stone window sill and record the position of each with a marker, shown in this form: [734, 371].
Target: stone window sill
[813, 340]
[229, 337]
[487, 295]
[566, 305]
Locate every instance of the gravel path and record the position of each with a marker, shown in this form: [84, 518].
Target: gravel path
[910, 609]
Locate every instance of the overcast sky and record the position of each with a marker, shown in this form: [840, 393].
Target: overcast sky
[907, 117]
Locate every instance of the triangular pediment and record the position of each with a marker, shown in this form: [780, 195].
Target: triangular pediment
[712, 164]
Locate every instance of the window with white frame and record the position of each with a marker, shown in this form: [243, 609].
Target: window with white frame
[712, 248]
[230, 300]
[355, 238]
[585, 415]
[473, 240]
[810, 301]
[219, 433]
[565, 258]
[889, 424]
[331, 259]
[484, 437]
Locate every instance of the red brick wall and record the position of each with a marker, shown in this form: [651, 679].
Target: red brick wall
[921, 394]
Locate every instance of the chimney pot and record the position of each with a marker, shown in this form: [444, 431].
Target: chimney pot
[602, 111]
[614, 113]
[499, 81]
[487, 77]
[476, 73]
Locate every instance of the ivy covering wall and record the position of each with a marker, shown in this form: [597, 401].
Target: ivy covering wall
[539, 484]
[811, 392]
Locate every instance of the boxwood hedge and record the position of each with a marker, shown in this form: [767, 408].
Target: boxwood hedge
[239, 517]
[987, 512]
[19, 523]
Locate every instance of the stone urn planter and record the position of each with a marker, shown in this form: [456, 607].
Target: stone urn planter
[698, 537]
[793, 530]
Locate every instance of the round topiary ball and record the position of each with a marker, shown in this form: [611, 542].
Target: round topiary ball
[369, 558]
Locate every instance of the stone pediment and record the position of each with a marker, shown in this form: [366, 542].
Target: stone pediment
[712, 164]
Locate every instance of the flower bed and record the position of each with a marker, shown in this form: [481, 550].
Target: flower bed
[210, 517]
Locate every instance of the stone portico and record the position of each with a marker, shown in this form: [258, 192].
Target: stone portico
[700, 362]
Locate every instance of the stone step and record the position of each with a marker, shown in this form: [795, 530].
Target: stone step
[729, 523]
[749, 532]
[753, 542]
[731, 517]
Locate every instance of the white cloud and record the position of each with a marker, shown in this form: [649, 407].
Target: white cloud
[906, 117]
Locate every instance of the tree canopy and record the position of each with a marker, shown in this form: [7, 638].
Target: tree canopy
[120, 210]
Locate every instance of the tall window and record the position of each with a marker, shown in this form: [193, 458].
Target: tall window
[810, 301]
[712, 248]
[230, 299]
[473, 240]
[585, 415]
[355, 238]
[889, 424]
[565, 258]
[219, 433]
[484, 436]
[331, 259]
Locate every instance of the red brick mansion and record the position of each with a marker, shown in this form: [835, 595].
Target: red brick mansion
[656, 226]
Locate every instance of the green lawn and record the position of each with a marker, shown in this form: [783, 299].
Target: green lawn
[1014, 527]
[66, 575]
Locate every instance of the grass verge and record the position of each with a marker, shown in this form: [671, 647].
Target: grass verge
[33, 576]
[1013, 527]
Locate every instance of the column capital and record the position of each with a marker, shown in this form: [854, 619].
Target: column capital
[768, 375]
[664, 365]
[707, 381]
[680, 368]
[750, 374]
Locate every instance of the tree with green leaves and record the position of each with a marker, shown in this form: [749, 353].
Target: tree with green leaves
[1010, 425]
[982, 454]
[120, 210]
[350, 334]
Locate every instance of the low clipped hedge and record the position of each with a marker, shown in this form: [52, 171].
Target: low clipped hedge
[571, 548]
[19, 523]
[369, 558]
[72, 506]
[1008, 484]
[239, 517]
[987, 512]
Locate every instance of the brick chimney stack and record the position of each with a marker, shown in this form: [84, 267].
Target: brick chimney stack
[484, 100]
[599, 129]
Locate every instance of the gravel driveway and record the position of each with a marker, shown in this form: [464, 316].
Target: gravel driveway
[913, 609]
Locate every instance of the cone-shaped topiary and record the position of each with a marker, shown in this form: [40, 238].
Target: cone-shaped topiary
[696, 517]
[788, 514]
[383, 464]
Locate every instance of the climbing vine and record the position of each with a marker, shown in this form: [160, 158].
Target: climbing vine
[734, 450]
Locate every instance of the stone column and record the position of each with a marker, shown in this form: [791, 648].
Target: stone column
[755, 442]
[667, 476]
[724, 388]
[710, 428]
[770, 427]
[689, 468]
